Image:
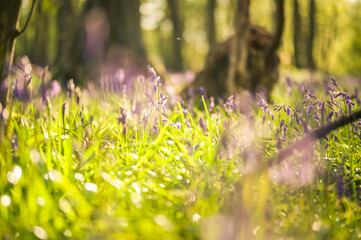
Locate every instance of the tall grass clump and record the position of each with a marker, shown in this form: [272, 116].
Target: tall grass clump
[130, 162]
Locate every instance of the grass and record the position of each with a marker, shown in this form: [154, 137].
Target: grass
[119, 167]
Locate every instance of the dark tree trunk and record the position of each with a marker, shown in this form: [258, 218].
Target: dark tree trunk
[296, 33]
[66, 31]
[40, 49]
[110, 38]
[177, 34]
[124, 22]
[311, 35]
[239, 47]
[270, 76]
[125, 46]
[211, 24]
[9, 18]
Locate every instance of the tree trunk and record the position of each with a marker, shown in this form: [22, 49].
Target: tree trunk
[296, 33]
[40, 49]
[211, 24]
[9, 19]
[239, 47]
[177, 34]
[311, 35]
[125, 46]
[66, 22]
[110, 38]
[271, 60]
[124, 21]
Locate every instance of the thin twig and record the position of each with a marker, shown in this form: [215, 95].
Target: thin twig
[27, 20]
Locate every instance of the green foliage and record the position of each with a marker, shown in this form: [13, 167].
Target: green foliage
[88, 170]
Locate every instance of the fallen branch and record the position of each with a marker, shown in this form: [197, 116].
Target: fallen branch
[313, 136]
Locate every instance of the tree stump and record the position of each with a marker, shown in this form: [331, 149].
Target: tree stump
[214, 76]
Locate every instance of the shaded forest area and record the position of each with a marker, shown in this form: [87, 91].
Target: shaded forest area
[90, 39]
[328, 30]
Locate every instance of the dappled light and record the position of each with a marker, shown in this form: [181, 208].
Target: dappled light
[168, 119]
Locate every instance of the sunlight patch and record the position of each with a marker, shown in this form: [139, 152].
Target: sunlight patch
[163, 221]
[91, 187]
[14, 175]
[40, 232]
[5, 200]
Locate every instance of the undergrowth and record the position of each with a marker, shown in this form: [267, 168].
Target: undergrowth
[104, 164]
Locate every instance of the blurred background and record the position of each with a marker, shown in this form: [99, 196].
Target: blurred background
[85, 39]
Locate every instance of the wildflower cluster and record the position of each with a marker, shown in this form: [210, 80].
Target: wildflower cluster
[265, 109]
[114, 82]
[160, 100]
[97, 166]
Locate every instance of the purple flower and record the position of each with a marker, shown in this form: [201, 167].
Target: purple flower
[277, 108]
[329, 104]
[316, 117]
[337, 94]
[295, 116]
[178, 125]
[349, 103]
[154, 78]
[55, 88]
[312, 96]
[202, 91]
[211, 106]
[21, 91]
[289, 82]
[185, 112]
[230, 101]
[203, 125]
[333, 81]
[321, 106]
[262, 103]
[330, 89]
[284, 131]
[71, 88]
[306, 100]
[157, 84]
[289, 86]
[282, 123]
[329, 116]
[162, 101]
[151, 73]
[309, 94]
[309, 109]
